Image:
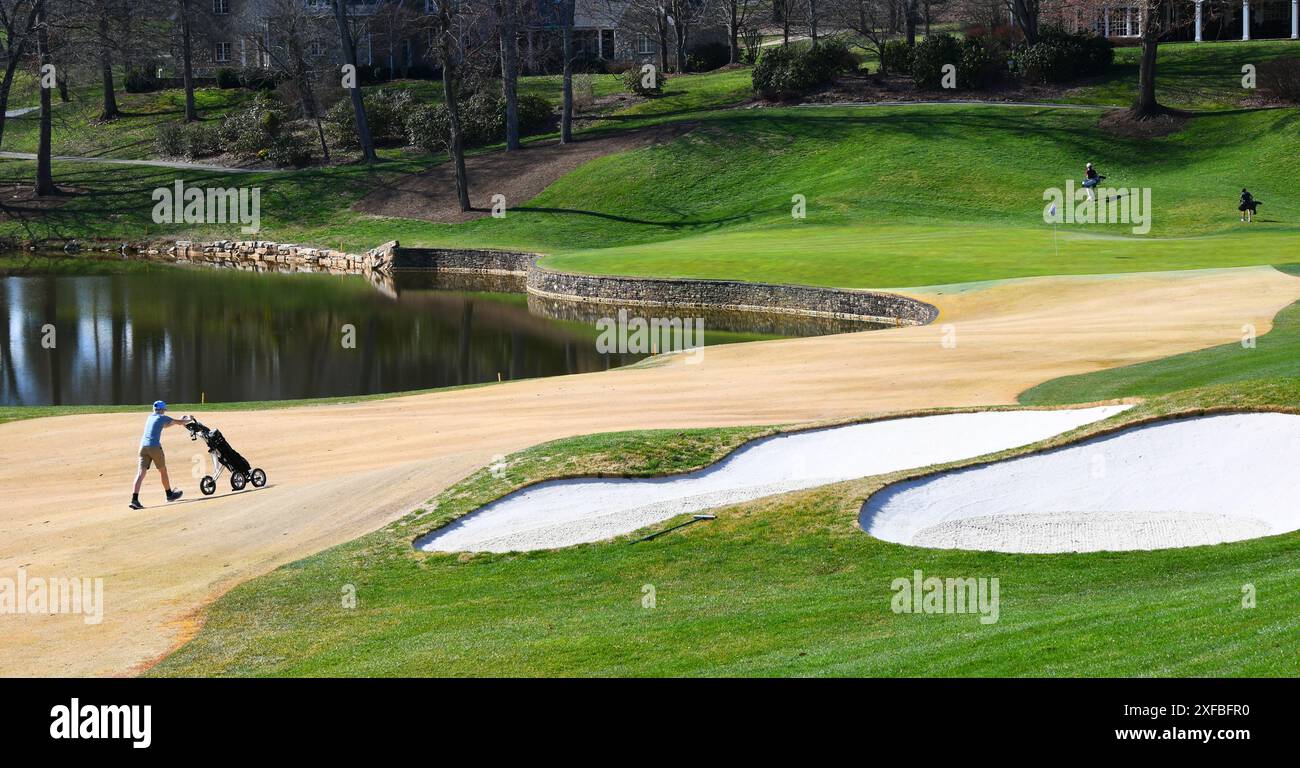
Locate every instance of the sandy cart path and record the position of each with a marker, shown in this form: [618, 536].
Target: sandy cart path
[339, 471]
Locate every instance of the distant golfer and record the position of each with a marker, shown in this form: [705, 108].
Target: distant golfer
[1248, 206]
[151, 451]
[1090, 181]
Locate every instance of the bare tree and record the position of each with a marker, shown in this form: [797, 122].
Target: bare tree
[448, 54]
[358, 102]
[296, 33]
[184, 17]
[104, 41]
[650, 18]
[506, 12]
[869, 20]
[682, 16]
[812, 15]
[735, 17]
[1026, 16]
[18, 22]
[1151, 13]
[566, 107]
[44, 172]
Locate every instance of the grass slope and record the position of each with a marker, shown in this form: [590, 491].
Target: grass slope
[1194, 76]
[896, 197]
[785, 586]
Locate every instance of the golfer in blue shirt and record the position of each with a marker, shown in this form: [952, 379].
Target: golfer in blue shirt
[151, 451]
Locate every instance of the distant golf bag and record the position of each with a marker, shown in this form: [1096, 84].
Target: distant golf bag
[224, 456]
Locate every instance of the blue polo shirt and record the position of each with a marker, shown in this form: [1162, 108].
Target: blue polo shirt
[153, 427]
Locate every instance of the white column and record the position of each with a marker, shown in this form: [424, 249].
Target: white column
[1295, 19]
[1198, 20]
[1128, 21]
[1245, 19]
[1107, 16]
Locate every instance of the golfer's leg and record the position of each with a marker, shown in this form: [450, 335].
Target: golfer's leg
[162, 470]
[139, 479]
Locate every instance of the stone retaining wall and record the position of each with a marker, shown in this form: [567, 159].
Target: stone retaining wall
[255, 254]
[541, 283]
[733, 295]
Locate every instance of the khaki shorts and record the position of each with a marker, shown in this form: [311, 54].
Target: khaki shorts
[152, 455]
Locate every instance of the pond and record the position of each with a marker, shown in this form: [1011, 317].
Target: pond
[86, 331]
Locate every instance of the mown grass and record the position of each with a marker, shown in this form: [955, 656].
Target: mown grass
[77, 132]
[895, 197]
[784, 586]
[1195, 76]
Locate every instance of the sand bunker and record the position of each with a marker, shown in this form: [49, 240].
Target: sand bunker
[1176, 484]
[565, 512]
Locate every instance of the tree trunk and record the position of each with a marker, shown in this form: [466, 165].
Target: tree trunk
[6, 86]
[733, 33]
[566, 111]
[1146, 105]
[510, 72]
[812, 21]
[1026, 16]
[44, 174]
[663, 41]
[187, 57]
[110, 111]
[358, 103]
[455, 143]
[909, 22]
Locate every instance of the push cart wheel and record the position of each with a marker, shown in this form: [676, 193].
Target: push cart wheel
[258, 478]
[208, 485]
[237, 480]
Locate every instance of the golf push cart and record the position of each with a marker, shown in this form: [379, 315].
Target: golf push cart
[224, 456]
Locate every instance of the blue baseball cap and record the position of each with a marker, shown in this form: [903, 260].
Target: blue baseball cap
[159, 405]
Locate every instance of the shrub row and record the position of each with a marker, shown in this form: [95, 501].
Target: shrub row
[975, 61]
[483, 120]
[784, 71]
[260, 130]
[1057, 57]
[1060, 56]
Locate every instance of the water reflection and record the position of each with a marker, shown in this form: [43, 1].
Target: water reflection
[185, 334]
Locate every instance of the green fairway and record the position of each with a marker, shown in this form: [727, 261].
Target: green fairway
[895, 197]
[1193, 76]
[1273, 355]
[787, 586]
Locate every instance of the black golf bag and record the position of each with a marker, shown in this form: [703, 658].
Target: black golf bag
[224, 456]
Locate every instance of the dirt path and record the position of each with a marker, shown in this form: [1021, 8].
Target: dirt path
[519, 176]
[176, 164]
[339, 471]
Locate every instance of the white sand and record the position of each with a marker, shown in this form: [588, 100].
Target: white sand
[566, 512]
[1175, 484]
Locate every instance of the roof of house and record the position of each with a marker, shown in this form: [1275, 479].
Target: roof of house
[598, 14]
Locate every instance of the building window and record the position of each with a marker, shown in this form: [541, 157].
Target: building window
[223, 52]
[220, 7]
[316, 48]
[607, 44]
[644, 45]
